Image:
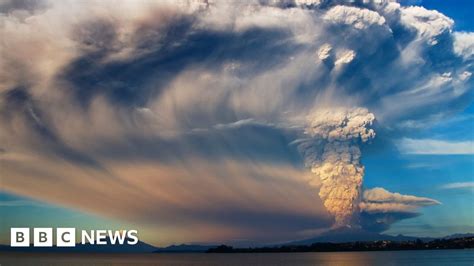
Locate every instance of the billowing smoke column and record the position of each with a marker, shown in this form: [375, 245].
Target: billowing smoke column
[333, 154]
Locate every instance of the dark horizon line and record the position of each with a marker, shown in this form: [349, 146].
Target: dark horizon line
[354, 246]
[426, 238]
[466, 242]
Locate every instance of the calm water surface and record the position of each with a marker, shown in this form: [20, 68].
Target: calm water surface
[421, 257]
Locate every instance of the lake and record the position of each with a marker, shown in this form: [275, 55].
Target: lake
[386, 258]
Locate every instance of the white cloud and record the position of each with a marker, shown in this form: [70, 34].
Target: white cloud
[359, 18]
[429, 23]
[459, 185]
[324, 51]
[435, 147]
[464, 44]
[345, 58]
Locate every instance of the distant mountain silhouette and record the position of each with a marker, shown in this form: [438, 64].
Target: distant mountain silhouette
[459, 235]
[140, 247]
[382, 245]
[347, 234]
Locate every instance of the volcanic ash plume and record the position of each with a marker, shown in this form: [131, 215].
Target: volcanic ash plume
[333, 154]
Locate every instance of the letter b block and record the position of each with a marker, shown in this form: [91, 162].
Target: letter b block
[43, 237]
[20, 237]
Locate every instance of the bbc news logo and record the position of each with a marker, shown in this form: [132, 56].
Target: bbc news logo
[66, 237]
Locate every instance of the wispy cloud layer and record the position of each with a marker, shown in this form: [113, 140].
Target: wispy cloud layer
[459, 185]
[435, 147]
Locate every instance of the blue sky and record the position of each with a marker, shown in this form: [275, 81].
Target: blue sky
[223, 164]
[427, 174]
[453, 9]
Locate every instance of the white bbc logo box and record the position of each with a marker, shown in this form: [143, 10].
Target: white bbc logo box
[42, 237]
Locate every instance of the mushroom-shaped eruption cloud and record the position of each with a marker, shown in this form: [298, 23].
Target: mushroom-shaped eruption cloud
[333, 154]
